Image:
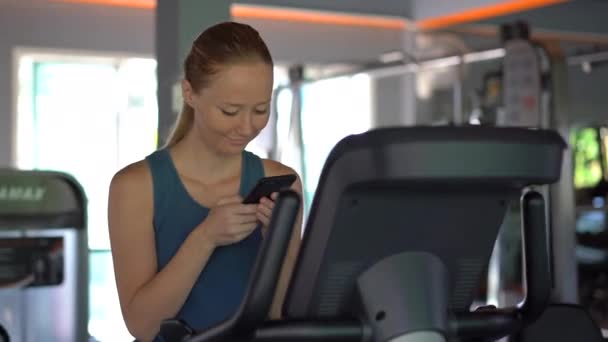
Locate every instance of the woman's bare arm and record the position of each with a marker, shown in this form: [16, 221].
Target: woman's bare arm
[147, 297]
[274, 168]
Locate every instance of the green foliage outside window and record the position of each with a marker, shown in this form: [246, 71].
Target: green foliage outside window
[587, 158]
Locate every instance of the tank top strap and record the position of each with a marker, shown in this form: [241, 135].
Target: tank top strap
[160, 168]
[253, 170]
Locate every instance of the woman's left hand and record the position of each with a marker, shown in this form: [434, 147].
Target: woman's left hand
[265, 211]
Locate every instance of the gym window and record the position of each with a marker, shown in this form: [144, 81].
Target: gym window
[88, 116]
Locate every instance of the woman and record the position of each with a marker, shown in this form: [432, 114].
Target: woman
[183, 244]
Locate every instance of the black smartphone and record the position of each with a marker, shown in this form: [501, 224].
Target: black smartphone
[267, 185]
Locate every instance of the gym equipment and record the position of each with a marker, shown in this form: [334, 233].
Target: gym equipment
[401, 227]
[519, 96]
[43, 257]
[521, 77]
[562, 323]
[3, 335]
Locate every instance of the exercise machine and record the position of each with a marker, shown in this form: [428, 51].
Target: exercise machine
[401, 227]
[4, 335]
[43, 257]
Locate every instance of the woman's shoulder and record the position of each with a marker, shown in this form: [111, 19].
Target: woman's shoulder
[133, 180]
[138, 173]
[271, 167]
[275, 168]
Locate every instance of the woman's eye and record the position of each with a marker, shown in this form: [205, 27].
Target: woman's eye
[227, 112]
[261, 111]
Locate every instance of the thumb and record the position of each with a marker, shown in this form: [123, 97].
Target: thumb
[230, 200]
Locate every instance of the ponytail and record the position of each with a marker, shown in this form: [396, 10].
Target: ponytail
[182, 126]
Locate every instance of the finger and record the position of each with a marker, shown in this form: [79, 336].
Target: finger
[230, 199]
[244, 219]
[274, 196]
[267, 211]
[245, 209]
[263, 218]
[245, 228]
[267, 202]
[242, 236]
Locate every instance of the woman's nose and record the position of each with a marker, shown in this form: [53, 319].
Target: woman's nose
[246, 124]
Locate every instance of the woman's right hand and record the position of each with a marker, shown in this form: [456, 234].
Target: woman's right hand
[229, 221]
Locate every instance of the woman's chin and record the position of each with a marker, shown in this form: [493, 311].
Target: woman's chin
[232, 149]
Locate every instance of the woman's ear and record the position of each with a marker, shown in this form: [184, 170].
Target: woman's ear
[187, 92]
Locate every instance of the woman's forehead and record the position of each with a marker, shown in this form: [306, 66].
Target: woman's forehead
[240, 83]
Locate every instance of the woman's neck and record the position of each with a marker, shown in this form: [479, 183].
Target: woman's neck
[194, 159]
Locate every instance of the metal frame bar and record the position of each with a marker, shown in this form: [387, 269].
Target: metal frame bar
[379, 69]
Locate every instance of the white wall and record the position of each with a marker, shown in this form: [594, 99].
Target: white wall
[588, 95]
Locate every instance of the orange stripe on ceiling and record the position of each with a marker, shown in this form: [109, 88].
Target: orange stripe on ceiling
[147, 4]
[282, 14]
[317, 17]
[484, 12]
[489, 30]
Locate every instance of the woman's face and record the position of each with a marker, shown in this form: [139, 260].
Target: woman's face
[234, 108]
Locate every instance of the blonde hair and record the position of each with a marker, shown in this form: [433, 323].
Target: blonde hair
[182, 125]
[219, 45]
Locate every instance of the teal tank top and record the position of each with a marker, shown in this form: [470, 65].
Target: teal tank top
[221, 284]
